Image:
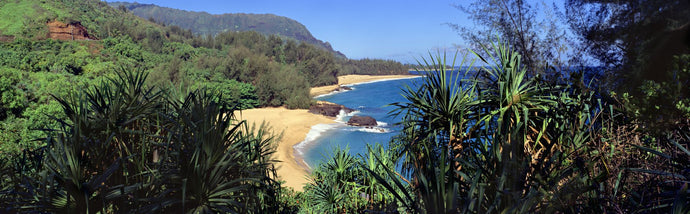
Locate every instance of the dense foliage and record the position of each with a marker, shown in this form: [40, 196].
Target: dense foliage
[250, 69]
[643, 43]
[499, 141]
[495, 141]
[372, 67]
[126, 147]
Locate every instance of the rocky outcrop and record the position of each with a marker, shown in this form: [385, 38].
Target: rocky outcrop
[75, 31]
[342, 88]
[365, 121]
[328, 109]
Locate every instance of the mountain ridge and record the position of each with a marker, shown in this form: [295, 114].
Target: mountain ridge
[204, 23]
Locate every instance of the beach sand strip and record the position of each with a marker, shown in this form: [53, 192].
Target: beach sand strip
[294, 124]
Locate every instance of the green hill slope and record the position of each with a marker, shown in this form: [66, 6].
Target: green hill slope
[28, 18]
[41, 56]
[208, 24]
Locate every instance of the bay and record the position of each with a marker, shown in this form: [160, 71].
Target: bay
[367, 99]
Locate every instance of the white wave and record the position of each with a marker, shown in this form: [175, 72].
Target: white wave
[373, 129]
[314, 133]
[328, 94]
[334, 92]
[379, 128]
[340, 118]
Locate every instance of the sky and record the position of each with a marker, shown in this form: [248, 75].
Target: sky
[401, 30]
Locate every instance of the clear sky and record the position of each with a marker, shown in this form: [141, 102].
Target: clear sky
[401, 30]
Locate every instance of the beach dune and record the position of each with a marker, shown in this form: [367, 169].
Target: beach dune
[295, 125]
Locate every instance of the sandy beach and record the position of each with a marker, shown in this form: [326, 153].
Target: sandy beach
[295, 124]
[354, 79]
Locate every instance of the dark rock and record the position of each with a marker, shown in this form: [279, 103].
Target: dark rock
[342, 88]
[365, 121]
[328, 109]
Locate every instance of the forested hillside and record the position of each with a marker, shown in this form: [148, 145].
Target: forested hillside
[209, 24]
[249, 68]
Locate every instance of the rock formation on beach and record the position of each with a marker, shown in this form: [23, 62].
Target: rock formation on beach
[365, 121]
[342, 88]
[328, 109]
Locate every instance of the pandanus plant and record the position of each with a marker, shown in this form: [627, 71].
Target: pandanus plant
[336, 185]
[490, 142]
[128, 148]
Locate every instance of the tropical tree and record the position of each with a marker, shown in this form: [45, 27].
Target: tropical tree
[534, 29]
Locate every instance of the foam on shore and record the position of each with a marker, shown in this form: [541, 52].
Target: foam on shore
[332, 93]
[315, 132]
[379, 128]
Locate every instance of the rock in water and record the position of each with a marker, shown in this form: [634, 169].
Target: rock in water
[342, 88]
[328, 109]
[365, 121]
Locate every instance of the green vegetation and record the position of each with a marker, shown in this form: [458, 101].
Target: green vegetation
[9, 22]
[496, 142]
[142, 120]
[646, 55]
[122, 140]
[249, 69]
[373, 66]
[503, 142]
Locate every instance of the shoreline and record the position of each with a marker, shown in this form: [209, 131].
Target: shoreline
[298, 126]
[293, 125]
[356, 79]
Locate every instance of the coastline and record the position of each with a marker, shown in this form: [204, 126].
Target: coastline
[296, 126]
[355, 79]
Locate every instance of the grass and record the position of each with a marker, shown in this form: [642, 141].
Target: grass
[13, 15]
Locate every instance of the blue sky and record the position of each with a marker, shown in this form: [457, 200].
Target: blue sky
[400, 30]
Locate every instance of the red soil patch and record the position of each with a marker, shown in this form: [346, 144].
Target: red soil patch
[61, 31]
[6, 38]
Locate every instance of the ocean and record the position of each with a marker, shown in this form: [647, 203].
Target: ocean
[367, 99]
[370, 99]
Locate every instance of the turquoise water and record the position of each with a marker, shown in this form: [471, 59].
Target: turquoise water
[368, 99]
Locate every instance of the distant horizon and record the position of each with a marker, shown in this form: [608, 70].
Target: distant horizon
[389, 30]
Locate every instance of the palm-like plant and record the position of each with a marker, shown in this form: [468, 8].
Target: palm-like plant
[492, 143]
[336, 185]
[129, 148]
[108, 119]
[378, 161]
[209, 149]
[440, 109]
[513, 110]
[437, 122]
